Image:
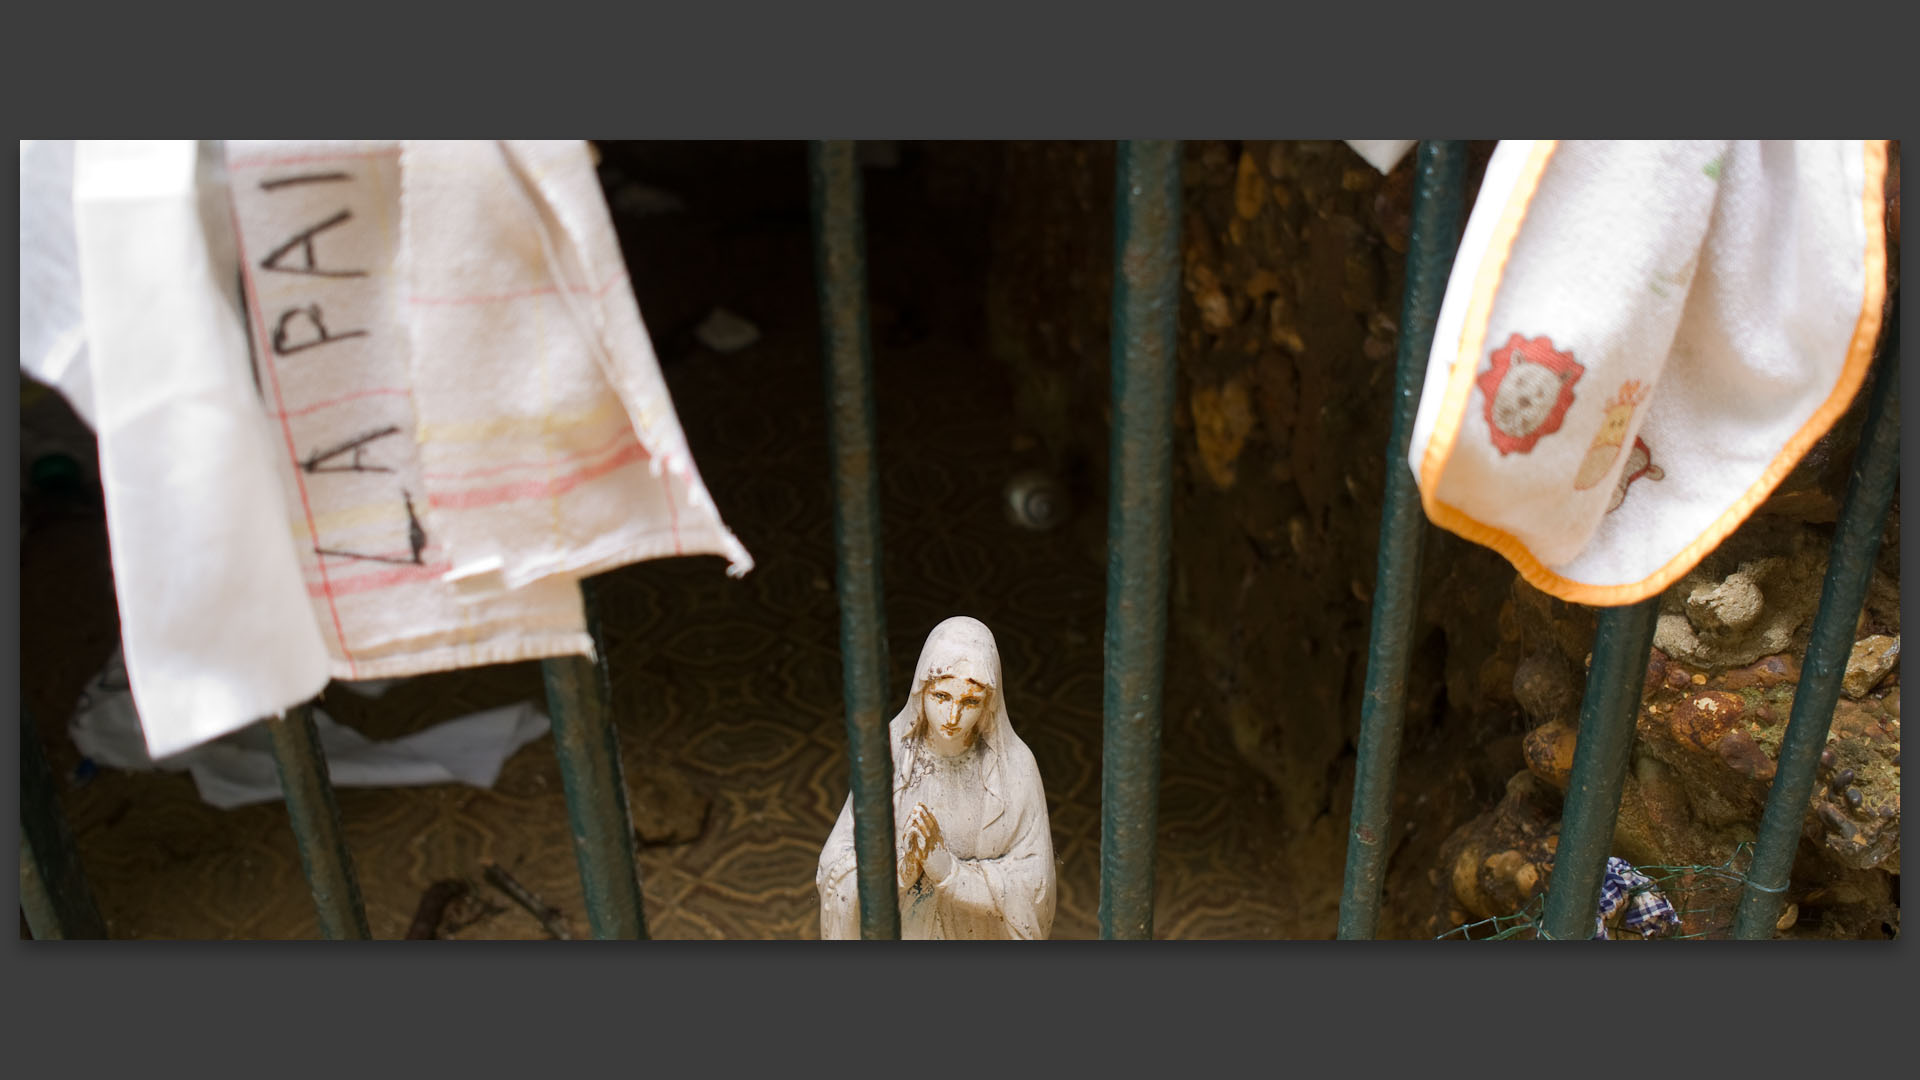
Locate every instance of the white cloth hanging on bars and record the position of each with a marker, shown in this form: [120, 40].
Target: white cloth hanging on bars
[214, 617]
[448, 412]
[1638, 342]
[53, 332]
[1382, 154]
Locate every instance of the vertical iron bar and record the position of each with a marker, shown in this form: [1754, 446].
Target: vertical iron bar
[1856, 544]
[1438, 203]
[1146, 293]
[840, 262]
[1608, 718]
[589, 753]
[580, 701]
[302, 766]
[53, 889]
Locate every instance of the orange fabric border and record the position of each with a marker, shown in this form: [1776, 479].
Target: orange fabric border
[1446, 430]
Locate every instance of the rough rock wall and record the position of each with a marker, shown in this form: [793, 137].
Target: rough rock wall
[1293, 257]
[1718, 692]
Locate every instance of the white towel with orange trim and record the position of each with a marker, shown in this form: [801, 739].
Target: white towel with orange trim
[1638, 342]
[1382, 154]
[437, 411]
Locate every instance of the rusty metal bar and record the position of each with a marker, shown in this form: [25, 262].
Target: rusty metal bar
[1856, 544]
[1146, 295]
[1438, 203]
[1621, 645]
[302, 766]
[53, 890]
[840, 263]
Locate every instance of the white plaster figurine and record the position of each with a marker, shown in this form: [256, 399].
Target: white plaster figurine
[974, 853]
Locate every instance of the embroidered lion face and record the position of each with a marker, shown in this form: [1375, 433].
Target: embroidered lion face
[1528, 391]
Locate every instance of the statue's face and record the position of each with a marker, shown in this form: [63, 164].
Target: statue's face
[953, 706]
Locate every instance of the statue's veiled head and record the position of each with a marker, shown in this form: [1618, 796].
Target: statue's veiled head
[954, 704]
[956, 686]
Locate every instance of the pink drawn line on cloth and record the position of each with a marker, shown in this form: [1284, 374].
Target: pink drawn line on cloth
[259, 330]
[535, 489]
[519, 294]
[310, 159]
[399, 391]
[624, 436]
[384, 579]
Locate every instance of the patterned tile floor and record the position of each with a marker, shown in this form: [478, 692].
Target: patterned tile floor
[731, 685]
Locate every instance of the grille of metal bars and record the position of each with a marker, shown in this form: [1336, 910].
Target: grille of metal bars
[1145, 308]
[1146, 283]
[585, 743]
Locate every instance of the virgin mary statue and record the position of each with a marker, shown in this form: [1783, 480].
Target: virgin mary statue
[974, 856]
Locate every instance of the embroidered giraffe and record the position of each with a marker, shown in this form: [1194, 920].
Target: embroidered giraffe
[1612, 436]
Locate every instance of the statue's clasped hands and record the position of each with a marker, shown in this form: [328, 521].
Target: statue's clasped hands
[922, 850]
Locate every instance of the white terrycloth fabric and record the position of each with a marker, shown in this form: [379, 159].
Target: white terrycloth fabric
[1382, 154]
[395, 450]
[1638, 342]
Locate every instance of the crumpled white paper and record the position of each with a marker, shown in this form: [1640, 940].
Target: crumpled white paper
[238, 769]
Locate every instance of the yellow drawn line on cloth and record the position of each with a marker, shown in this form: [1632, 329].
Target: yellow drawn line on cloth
[387, 511]
[536, 426]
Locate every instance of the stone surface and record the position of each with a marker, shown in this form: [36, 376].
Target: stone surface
[1871, 660]
[1549, 750]
[1545, 687]
[1222, 420]
[1719, 619]
[1855, 812]
[1501, 859]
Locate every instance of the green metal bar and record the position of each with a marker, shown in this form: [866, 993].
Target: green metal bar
[302, 765]
[1438, 203]
[53, 889]
[588, 747]
[586, 742]
[840, 262]
[1146, 296]
[1856, 544]
[1607, 721]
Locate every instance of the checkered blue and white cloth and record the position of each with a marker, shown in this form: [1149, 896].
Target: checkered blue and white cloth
[1647, 910]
